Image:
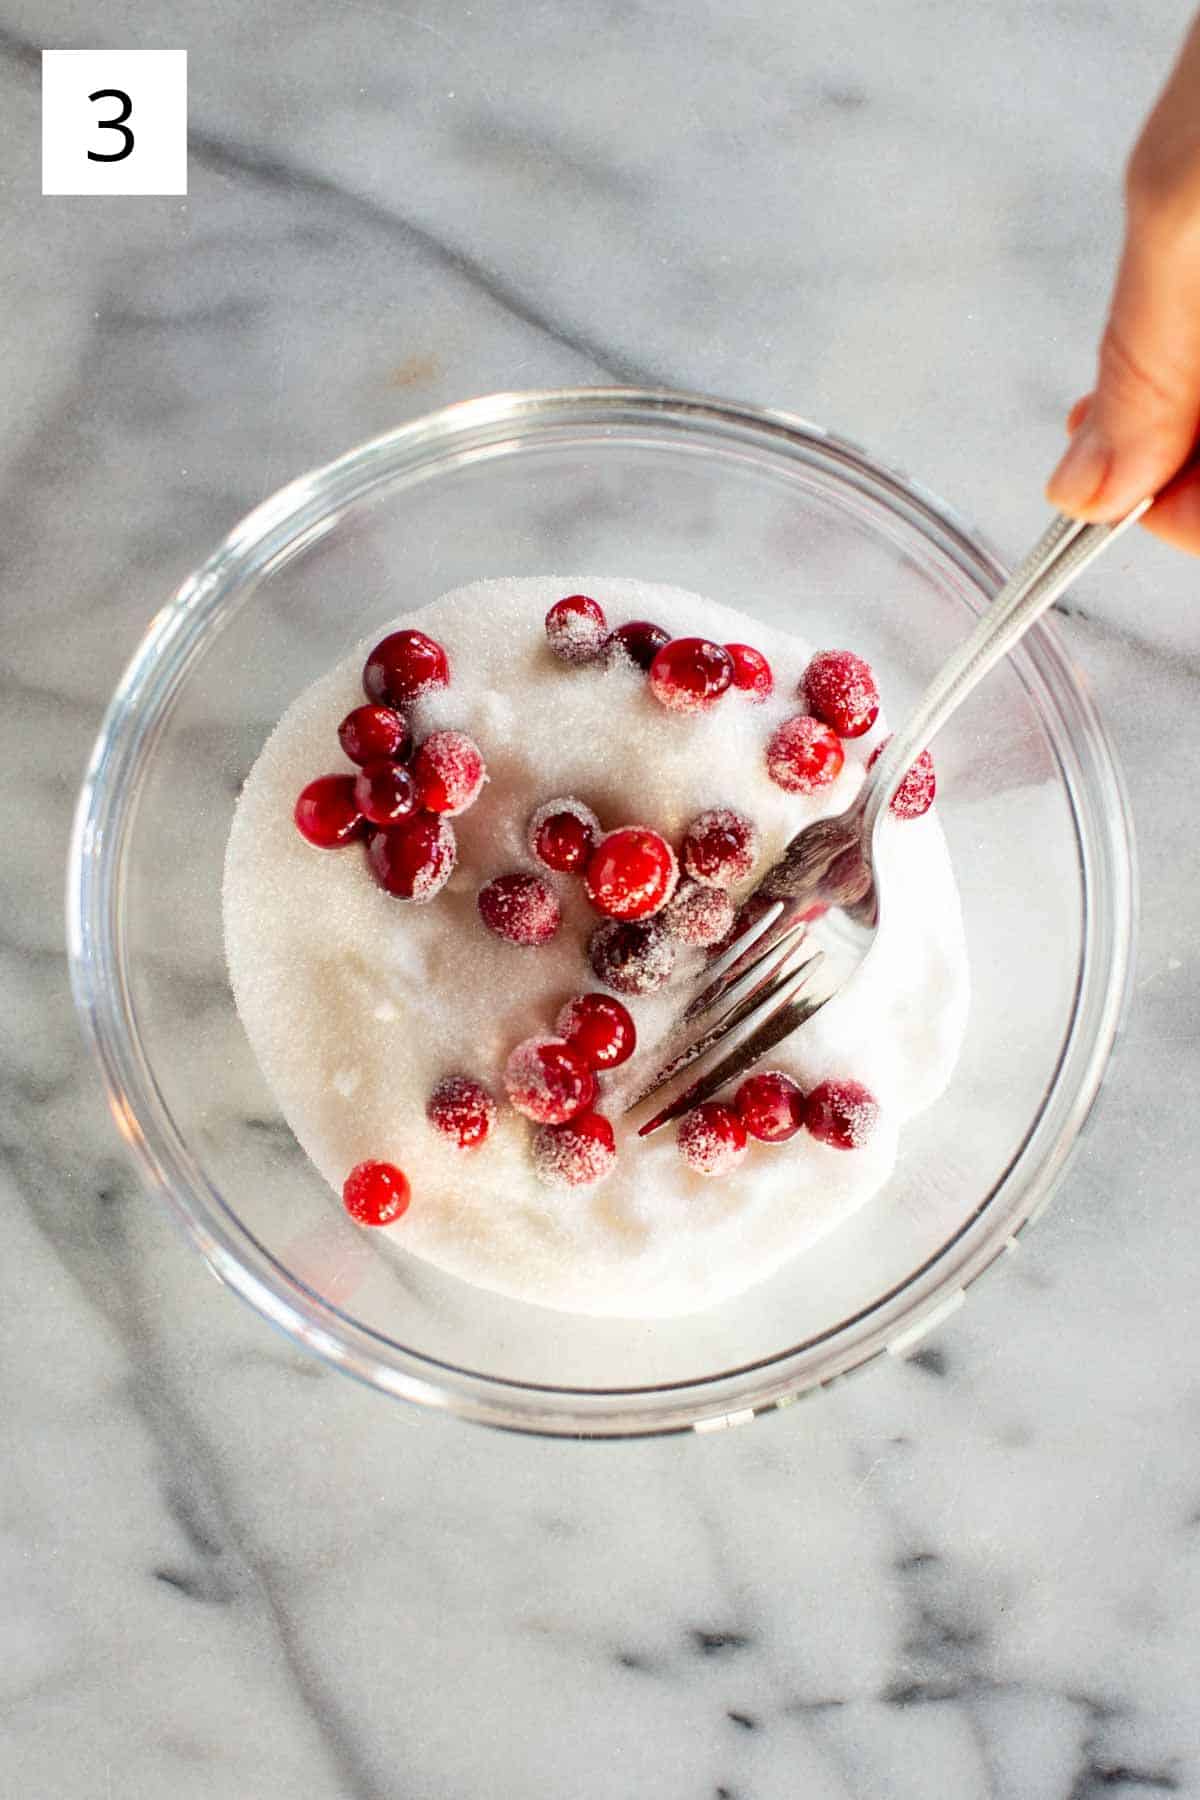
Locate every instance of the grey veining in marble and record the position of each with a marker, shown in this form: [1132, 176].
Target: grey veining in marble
[228, 1574]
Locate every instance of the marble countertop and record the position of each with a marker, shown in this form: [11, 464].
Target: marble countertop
[229, 1574]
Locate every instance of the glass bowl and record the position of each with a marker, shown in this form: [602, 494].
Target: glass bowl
[754, 508]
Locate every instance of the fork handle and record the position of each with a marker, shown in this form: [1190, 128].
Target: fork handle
[1062, 552]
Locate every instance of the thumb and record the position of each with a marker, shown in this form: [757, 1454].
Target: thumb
[1144, 415]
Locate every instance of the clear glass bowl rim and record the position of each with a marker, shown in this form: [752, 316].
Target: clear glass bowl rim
[295, 517]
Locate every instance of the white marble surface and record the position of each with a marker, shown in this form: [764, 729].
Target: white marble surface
[228, 1573]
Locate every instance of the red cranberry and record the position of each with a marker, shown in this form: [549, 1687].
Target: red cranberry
[631, 873]
[720, 848]
[770, 1106]
[689, 674]
[639, 642]
[376, 1193]
[374, 734]
[404, 666]
[385, 792]
[841, 1113]
[915, 794]
[522, 909]
[547, 1081]
[804, 756]
[839, 689]
[414, 859]
[712, 1140]
[562, 835]
[327, 813]
[450, 772]
[751, 671]
[699, 915]
[576, 629]
[600, 1028]
[577, 1154]
[462, 1110]
[632, 956]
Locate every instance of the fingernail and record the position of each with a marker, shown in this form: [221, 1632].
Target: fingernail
[1081, 473]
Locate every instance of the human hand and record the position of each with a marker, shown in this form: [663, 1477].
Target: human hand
[1134, 433]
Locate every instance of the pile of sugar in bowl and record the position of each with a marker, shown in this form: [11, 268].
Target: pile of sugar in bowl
[468, 882]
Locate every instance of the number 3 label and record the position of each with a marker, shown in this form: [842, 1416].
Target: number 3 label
[117, 124]
[114, 121]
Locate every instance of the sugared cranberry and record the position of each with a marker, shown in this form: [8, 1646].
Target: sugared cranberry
[414, 859]
[327, 813]
[916, 792]
[403, 666]
[577, 1154]
[841, 1113]
[385, 793]
[600, 1028]
[374, 734]
[522, 909]
[632, 956]
[450, 772]
[839, 689]
[462, 1110]
[376, 1193]
[562, 834]
[699, 915]
[548, 1081]
[712, 1140]
[804, 756]
[751, 671]
[631, 873]
[689, 674]
[770, 1106]
[639, 642]
[576, 629]
[720, 848]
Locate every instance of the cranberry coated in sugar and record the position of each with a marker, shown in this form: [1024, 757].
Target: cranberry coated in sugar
[450, 772]
[698, 915]
[403, 666]
[712, 1139]
[842, 1114]
[632, 956]
[577, 1154]
[839, 689]
[522, 909]
[562, 834]
[804, 756]
[916, 792]
[576, 628]
[720, 847]
[462, 1110]
[547, 1081]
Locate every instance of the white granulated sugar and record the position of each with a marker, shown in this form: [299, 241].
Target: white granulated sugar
[331, 974]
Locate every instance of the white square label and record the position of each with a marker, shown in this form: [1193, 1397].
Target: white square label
[114, 121]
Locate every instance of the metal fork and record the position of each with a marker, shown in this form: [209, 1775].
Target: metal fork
[773, 977]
